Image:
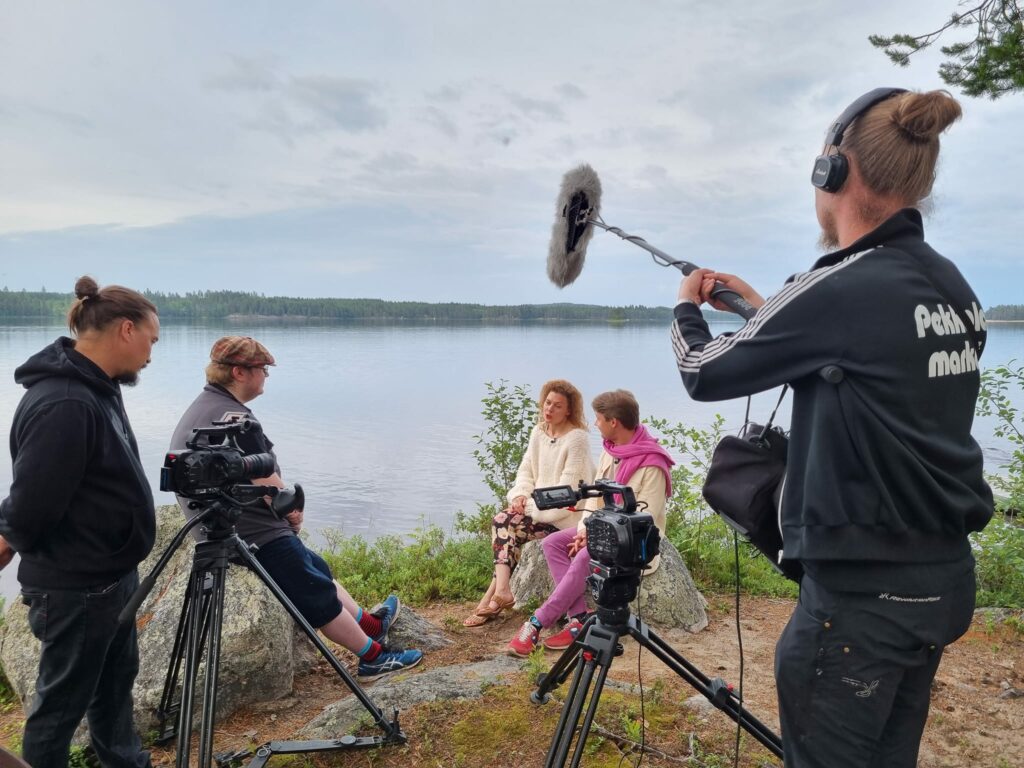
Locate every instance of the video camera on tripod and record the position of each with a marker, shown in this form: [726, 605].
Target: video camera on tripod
[216, 475]
[213, 467]
[621, 541]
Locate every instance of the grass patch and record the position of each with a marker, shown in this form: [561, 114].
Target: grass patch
[706, 545]
[423, 567]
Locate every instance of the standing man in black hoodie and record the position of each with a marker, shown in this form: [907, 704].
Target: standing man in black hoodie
[80, 514]
[884, 480]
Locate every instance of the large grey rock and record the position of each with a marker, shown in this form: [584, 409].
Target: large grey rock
[413, 631]
[262, 649]
[668, 598]
[407, 689]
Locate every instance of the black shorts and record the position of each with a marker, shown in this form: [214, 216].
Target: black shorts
[303, 576]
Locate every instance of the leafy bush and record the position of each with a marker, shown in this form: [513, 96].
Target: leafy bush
[510, 414]
[993, 400]
[999, 550]
[423, 567]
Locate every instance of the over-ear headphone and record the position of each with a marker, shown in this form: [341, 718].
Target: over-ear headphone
[830, 171]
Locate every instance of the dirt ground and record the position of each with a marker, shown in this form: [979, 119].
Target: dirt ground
[976, 719]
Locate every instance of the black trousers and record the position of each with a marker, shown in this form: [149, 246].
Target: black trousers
[87, 667]
[854, 673]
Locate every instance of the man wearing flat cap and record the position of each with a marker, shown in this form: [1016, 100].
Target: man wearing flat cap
[237, 372]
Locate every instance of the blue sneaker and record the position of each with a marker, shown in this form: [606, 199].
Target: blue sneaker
[387, 612]
[389, 660]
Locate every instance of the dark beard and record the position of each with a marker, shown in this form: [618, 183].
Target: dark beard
[827, 242]
[127, 379]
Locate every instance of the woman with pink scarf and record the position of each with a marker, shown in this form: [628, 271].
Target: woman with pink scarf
[631, 457]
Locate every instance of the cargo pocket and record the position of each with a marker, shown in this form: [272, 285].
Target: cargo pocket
[38, 605]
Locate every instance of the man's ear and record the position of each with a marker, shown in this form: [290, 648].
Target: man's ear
[126, 329]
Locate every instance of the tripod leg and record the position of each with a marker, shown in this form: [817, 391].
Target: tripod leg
[588, 720]
[562, 668]
[193, 649]
[167, 703]
[570, 717]
[212, 667]
[391, 729]
[715, 691]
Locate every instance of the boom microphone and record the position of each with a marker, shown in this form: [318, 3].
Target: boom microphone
[578, 201]
[577, 212]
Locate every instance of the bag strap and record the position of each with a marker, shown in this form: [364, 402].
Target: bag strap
[764, 431]
[785, 388]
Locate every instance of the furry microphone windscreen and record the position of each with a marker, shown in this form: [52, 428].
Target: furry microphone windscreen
[578, 201]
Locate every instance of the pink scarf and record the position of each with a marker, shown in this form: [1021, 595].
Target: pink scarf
[642, 451]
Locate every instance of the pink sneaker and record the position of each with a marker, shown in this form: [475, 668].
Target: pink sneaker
[524, 642]
[565, 638]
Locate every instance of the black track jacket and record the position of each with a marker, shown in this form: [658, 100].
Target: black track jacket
[882, 466]
[80, 512]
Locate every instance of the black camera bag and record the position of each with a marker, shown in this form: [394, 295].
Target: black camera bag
[744, 485]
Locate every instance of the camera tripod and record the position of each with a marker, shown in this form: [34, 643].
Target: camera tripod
[597, 644]
[200, 625]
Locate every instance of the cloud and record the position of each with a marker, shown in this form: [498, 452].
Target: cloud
[447, 94]
[571, 92]
[441, 120]
[537, 109]
[340, 102]
[246, 75]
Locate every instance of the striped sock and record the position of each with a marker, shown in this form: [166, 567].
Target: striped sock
[370, 651]
[369, 623]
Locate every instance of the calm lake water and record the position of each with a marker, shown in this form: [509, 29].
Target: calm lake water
[377, 422]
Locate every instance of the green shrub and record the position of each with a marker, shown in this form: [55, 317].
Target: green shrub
[510, 414]
[999, 550]
[993, 400]
[423, 567]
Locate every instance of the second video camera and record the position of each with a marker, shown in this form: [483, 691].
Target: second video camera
[617, 535]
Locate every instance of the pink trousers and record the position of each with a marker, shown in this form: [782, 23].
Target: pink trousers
[570, 575]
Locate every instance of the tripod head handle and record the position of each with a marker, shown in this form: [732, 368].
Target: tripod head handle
[146, 585]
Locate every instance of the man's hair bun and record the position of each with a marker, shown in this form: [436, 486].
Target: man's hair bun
[86, 287]
[923, 116]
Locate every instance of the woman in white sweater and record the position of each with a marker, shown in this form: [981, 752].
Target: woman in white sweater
[558, 454]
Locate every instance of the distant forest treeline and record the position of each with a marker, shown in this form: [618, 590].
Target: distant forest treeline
[220, 305]
[1005, 312]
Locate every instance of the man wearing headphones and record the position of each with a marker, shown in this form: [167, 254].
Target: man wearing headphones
[884, 480]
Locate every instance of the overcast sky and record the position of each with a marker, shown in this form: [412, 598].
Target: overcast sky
[414, 150]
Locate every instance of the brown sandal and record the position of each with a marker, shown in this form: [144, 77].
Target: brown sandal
[475, 620]
[500, 605]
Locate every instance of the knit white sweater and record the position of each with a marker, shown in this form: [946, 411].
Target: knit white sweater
[563, 460]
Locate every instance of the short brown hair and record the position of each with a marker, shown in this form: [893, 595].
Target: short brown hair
[618, 404]
[895, 144]
[219, 373]
[96, 308]
[571, 394]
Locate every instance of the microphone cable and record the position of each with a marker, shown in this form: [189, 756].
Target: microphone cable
[641, 506]
[739, 639]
